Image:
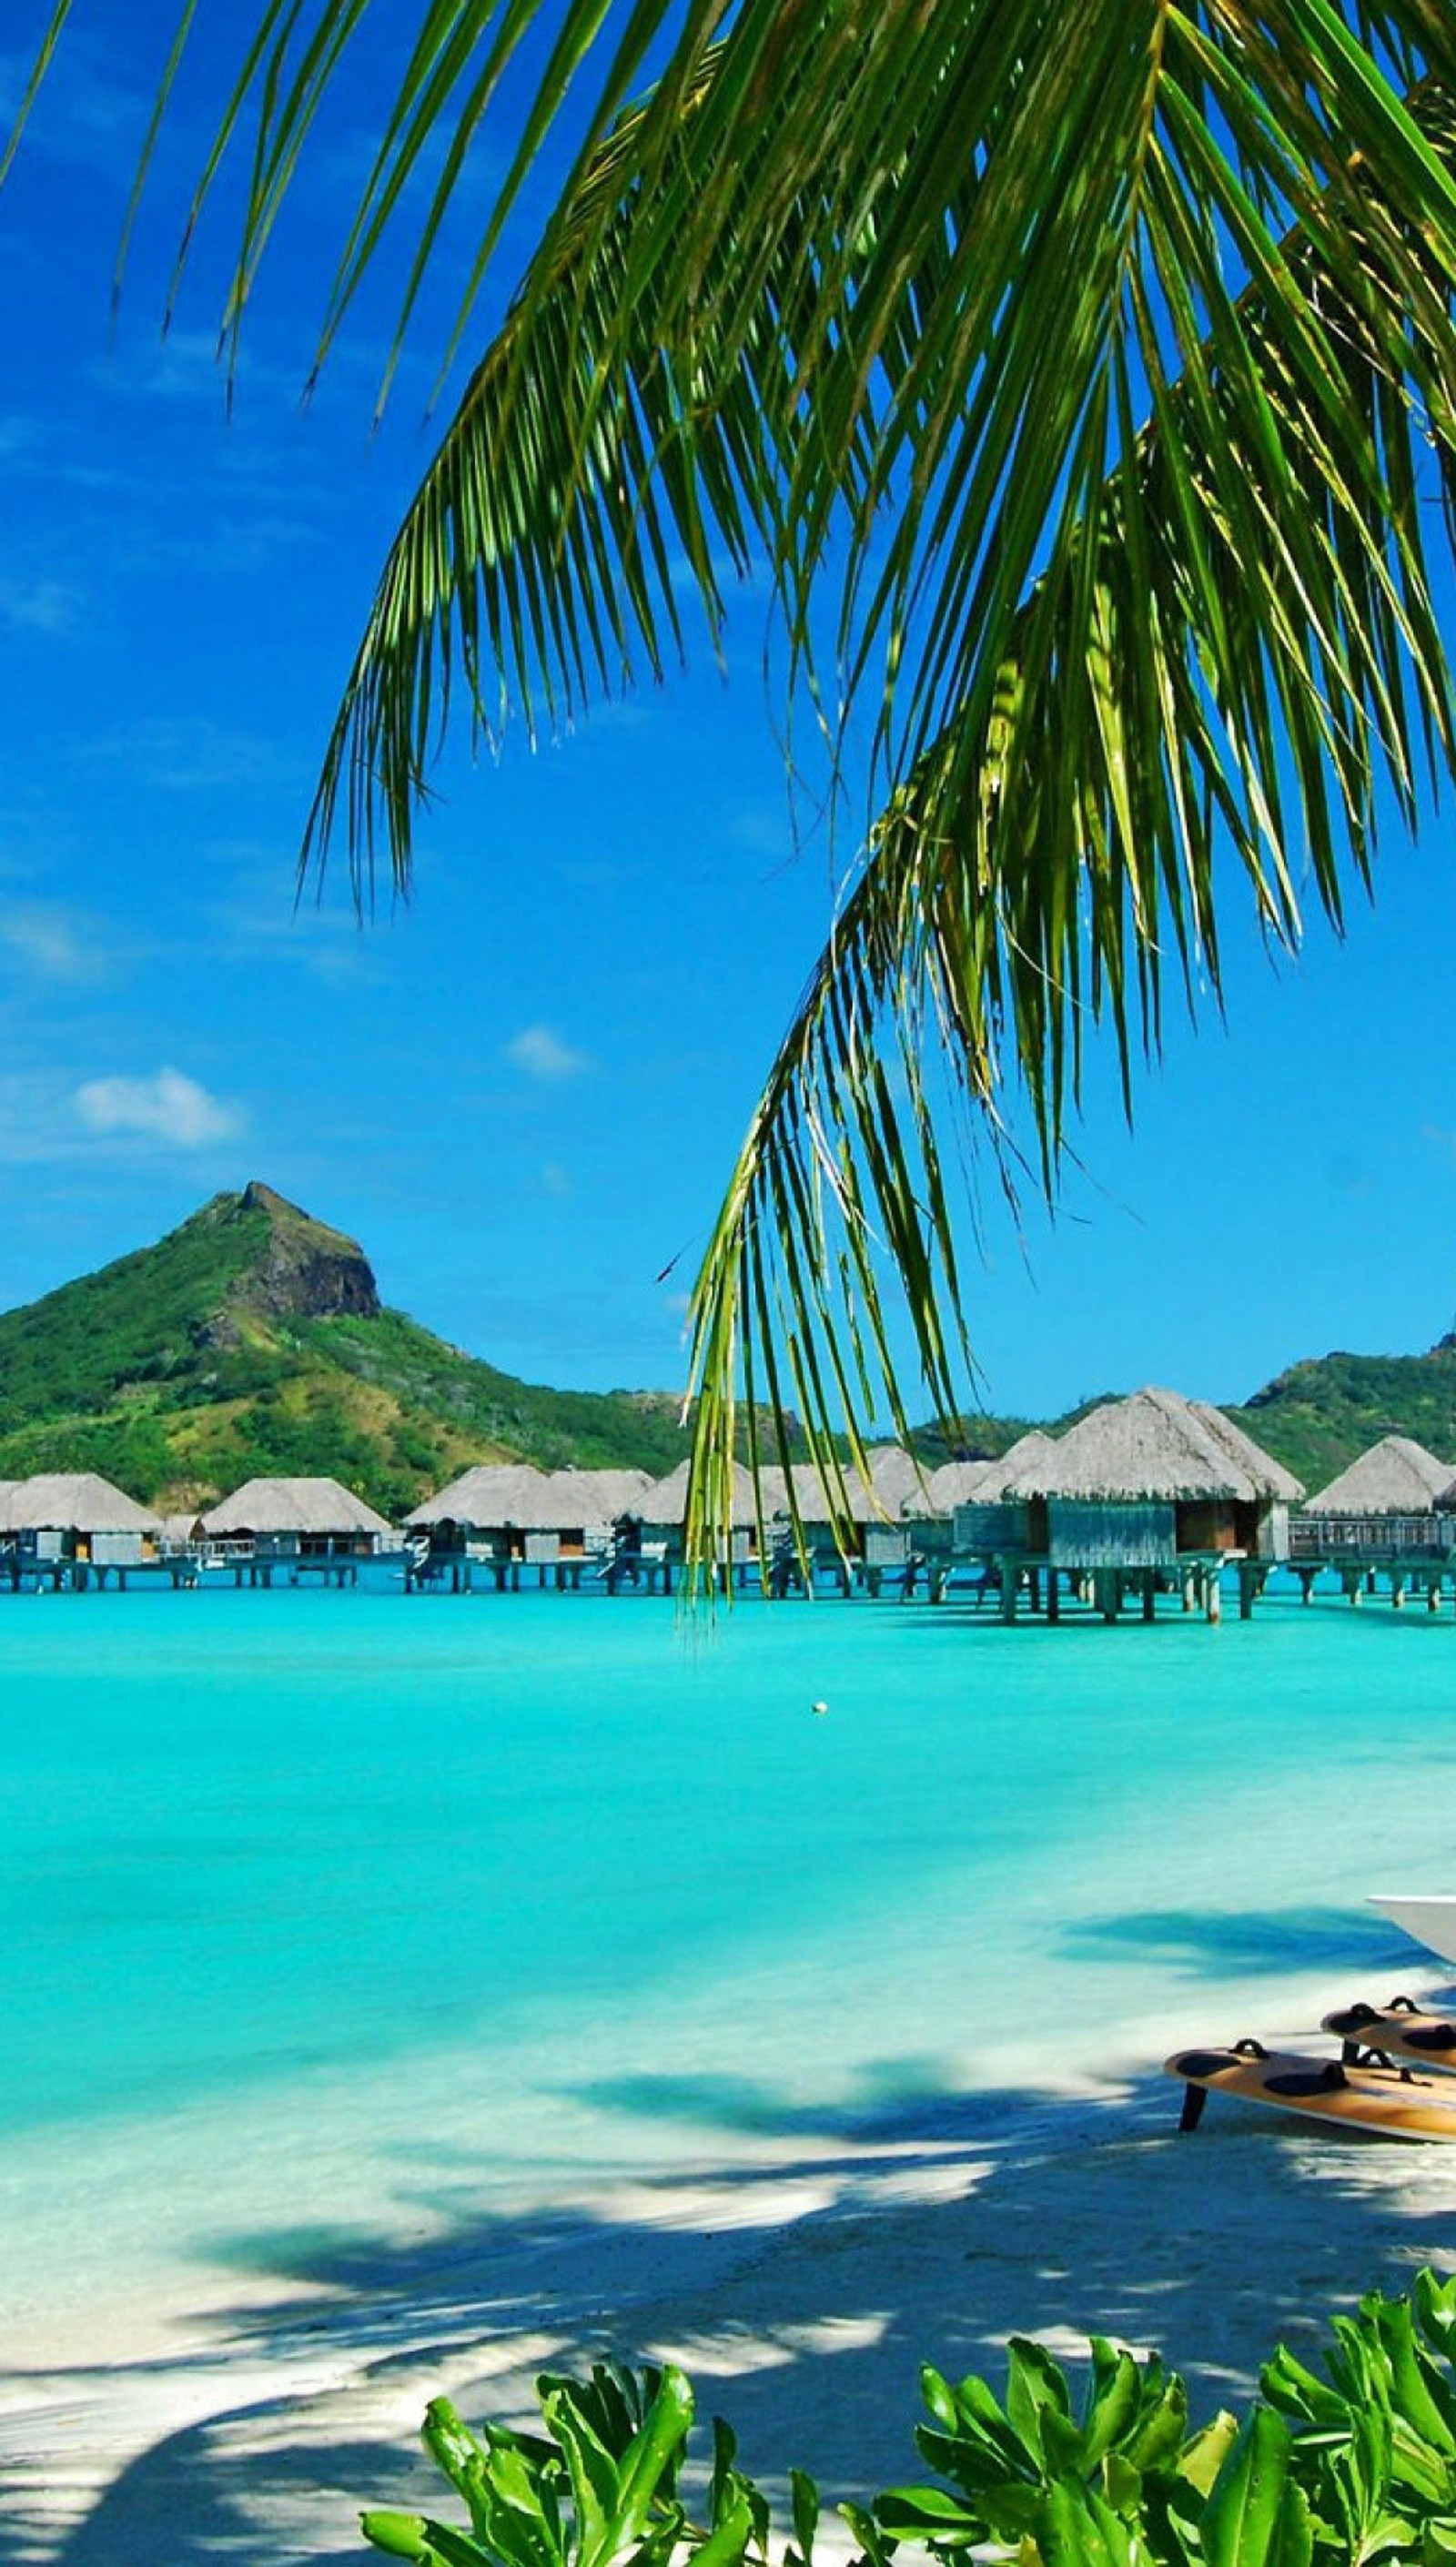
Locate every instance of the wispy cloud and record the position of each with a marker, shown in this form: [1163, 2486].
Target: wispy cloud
[257, 917]
[168, 1108]
[39, 605]
[194, 755]
[48, 940]
[87, 112]
[542, 1055]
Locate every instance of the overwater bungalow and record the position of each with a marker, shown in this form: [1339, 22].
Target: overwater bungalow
[1396, 1476]
[482, 1514]
[313, 1526]
[950, 1486]
[587, 1508]
[502, 1517]
[858, 1523]
[71, 1525]
[755, 1511]
[1396, 1503]
[1141, 1488]
[983, 1518]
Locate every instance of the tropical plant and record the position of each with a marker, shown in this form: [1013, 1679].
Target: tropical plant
[1083, 378]
[601, 2484]
[1351, 2465]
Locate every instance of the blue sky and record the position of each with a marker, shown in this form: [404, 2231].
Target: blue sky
[524, 1091]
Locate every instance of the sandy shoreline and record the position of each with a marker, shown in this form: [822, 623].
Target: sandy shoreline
[801, 2285]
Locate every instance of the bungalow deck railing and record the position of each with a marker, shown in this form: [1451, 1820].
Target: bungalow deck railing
[1385, 1537]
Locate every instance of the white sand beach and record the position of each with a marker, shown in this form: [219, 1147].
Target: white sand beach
[801, 2285]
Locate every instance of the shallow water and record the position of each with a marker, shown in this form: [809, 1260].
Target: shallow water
[323, 1913]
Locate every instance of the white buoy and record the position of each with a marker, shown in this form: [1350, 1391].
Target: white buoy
[819, 1707]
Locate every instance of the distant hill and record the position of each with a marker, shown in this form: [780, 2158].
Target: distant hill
[1320, 1415]
[1315, 1418]
[252, 1340]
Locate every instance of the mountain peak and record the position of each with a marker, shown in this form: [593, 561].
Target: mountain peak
[305, 1270]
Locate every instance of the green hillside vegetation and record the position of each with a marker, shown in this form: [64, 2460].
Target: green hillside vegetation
[1320, 1415]
[252, 1340]
[1315, 1418]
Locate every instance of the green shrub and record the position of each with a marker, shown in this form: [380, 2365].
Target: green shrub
[1355, 2462]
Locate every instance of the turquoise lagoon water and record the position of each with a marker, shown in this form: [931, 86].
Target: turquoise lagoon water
[318, 1913]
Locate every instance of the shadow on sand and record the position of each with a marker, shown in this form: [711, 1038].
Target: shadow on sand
[802, 2292]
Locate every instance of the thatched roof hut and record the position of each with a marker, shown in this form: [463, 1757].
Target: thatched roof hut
[1397, 1477]
[998, 1478]
[489, 1494]
[80, 1501]
[580, 1498]
[895, 1485]
[666, 1502]
[896, 1478]
[294, 1506]
[516, 1497]
[953, 1485]
[1272, 1478]
[1155, 1445]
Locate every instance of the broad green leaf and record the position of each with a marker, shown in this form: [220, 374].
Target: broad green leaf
[1257, 2516]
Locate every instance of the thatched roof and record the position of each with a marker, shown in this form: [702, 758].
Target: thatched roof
[998, 1478]
[666, 1502]
[953, 1485]
[580, 1498]
[490, 1494]
[895, 1485]
[897, 1479]
[1397, 1477]
[494, 1495]
[1274, 1480]
[293, 1506]
[72, 1502]
[1155, 1445]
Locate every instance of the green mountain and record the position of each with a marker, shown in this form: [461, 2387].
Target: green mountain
[253, 1339]
[1320, 1415]
[1315, 1418]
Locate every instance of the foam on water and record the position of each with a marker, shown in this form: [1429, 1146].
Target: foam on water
[321, 1917]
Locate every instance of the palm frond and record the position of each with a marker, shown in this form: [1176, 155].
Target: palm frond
[1224, 662]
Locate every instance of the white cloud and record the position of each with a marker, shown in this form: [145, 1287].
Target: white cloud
[45, 938]
[542, 1055]
[168, 1108]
